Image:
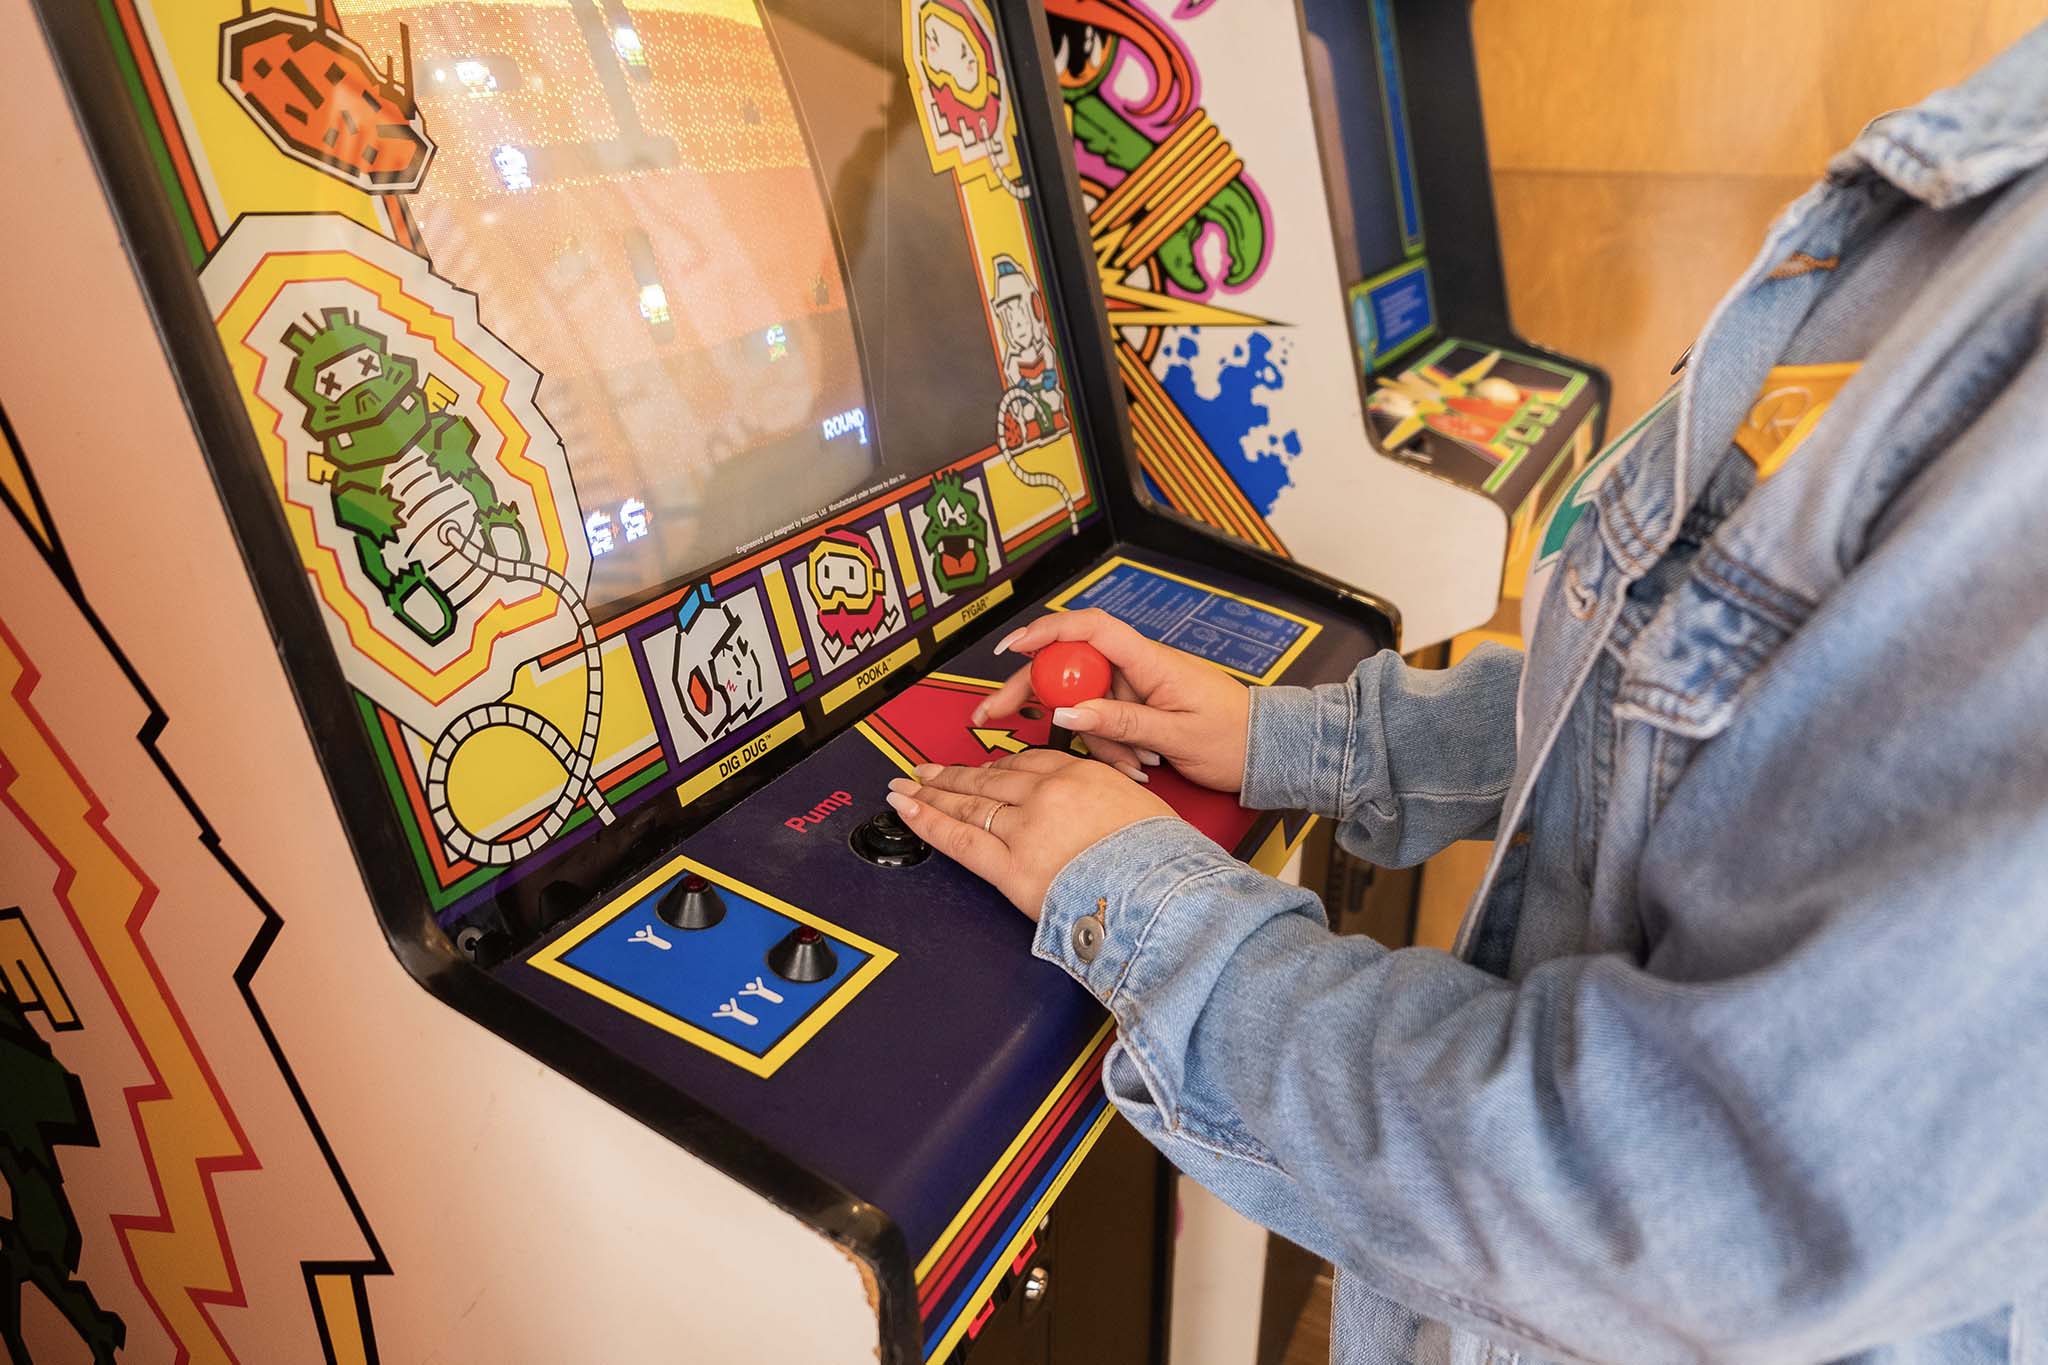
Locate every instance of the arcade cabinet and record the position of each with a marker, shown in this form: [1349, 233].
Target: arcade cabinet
[1316, 352]
[1453, 388]
[496, 489]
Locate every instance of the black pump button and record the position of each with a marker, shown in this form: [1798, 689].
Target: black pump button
[887, 842]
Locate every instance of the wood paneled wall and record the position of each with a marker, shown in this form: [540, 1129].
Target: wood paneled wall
[1641, 147]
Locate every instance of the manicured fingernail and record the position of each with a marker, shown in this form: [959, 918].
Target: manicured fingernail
[902, 784]
[903, 804]
[1003, 645]
[1073, 718]
[1134, 772]
[1148, 758]
[925, 772]
[979, 715]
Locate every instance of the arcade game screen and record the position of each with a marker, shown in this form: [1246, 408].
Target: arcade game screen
[711, 229]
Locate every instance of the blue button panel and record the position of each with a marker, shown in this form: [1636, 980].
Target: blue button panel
[717, 979]
[1242, 636]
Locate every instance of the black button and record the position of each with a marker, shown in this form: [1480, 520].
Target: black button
[691, 903]
[887, 842]
[803, 955]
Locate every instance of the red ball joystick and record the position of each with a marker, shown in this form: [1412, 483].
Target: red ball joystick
[1067, 673]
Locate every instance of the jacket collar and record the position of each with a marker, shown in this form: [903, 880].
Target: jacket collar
[1966, 140]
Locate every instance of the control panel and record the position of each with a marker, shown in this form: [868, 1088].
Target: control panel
[711, 959]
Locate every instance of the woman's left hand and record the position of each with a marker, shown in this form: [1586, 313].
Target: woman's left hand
[1018, 821]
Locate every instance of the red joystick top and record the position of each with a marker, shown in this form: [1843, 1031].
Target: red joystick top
[1069, 672]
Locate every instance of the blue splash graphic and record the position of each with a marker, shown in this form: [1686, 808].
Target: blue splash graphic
[1233, 422]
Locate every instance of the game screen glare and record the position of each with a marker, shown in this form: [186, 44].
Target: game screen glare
[661, 205]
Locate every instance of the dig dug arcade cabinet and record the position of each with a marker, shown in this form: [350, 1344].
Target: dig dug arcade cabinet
[494, 490]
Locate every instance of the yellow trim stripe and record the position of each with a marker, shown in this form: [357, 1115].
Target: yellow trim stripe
[899, 536]
[1002, 1265]
[783, 609]
[979, 607]
[739, 758]
[869, 676]
[1024, 1134]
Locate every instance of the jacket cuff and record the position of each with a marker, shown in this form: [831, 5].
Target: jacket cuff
[1297, 746]
[1117, 886]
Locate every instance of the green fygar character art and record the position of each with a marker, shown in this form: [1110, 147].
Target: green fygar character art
[1089, 37]
[42, 1105]
[367, 408]
[955, 535]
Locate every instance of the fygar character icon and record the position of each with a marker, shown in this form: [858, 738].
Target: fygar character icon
[365, 406]
[955, 534]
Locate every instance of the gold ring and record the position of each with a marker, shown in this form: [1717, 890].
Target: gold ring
[989, 820]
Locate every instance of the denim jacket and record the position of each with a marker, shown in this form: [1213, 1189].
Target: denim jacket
[1743, 1051]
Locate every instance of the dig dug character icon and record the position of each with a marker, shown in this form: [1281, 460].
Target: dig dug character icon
[366, 407]
[846, 587]
[718, 669]
[1034, 406]
[955, 535]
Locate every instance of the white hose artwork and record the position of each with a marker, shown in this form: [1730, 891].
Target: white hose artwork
[576, 759]
[1030, 477]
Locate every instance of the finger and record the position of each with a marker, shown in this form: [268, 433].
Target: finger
[1128, 723]
[996, 783]
[1121, 689]
[1111, 752]
[980, 853]
[1015, 691]
[1146, 661]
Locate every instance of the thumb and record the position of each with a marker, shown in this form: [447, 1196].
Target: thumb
[1127, 722]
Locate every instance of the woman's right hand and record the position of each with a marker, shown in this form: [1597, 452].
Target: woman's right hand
[1162, 703]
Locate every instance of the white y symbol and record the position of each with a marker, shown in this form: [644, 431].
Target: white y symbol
[647, 935]
[755, 987]
[731, 1010]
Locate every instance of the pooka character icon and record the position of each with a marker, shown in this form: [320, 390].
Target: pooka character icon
[955, 535]
[847, 589]
[365, 406]
[718, 670]
[39, 1235]
[1034, 406]
[966, 101]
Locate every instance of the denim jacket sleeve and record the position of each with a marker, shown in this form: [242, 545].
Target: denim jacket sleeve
[1408, 760]
[1627, 1157]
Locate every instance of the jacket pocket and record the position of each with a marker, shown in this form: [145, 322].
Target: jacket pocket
[1685, 673]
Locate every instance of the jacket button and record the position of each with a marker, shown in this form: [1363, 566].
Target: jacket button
[1087, 937]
